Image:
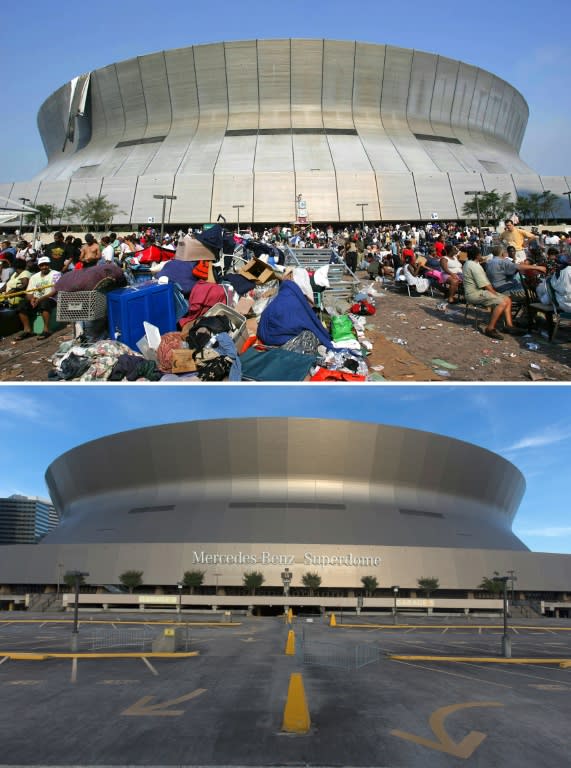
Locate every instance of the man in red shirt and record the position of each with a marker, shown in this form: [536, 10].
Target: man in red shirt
[439, 246]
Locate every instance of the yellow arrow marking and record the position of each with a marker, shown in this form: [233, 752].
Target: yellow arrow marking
[444, 743]
[142, 707]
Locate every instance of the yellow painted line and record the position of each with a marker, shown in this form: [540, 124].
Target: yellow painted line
[22, 656]
[128, 621]
[450, 626]
[480, 659]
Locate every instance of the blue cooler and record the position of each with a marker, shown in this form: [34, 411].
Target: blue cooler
[128, 308]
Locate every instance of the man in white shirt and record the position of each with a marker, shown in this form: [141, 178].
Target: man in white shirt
[41, 292]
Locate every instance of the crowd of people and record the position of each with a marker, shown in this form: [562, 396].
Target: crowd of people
[483, 268]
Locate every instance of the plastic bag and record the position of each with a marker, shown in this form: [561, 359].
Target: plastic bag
[342, 328]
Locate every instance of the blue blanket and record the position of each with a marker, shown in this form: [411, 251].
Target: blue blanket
[288, 315]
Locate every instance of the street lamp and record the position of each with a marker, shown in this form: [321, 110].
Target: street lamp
[164, 198]
[179, 608]
[23, 200]
[506, 641]
[476, 193]
[59, 577]
[238, 216]
[513, 578]
[287, 576]
[78, 578]
[395, 594]
[362, 206]
[568, 193]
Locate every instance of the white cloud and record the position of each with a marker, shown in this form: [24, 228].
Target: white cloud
[20, 404]
[548, 436]
[549, 532]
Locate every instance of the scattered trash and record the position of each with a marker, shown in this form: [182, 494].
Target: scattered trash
[535, 366]
[513, 354]
[441, 372]
[378, 367]
[443, 306]
[376, 377]
[402, 342]
[531, 346]
[444, 364]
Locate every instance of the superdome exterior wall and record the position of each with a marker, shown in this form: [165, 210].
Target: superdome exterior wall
[254, 123]
[286, 481]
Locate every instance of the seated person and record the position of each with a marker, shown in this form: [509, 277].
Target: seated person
[479, 291]
[17, 283]
[451, 266]
[373, 267]
[41, 301]
[561, 283]
[503, 273]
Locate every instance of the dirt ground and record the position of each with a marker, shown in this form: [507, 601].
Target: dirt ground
[413, 340]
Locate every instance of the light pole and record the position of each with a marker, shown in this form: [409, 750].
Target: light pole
[164, 198]
[216, 575]
[59, 577]
[568, 193]
[23, 200]
[179, 607]
[476, 193]
[395, 595]
[506, 641]
[237, 207]
[78, 578]
[287, 576]
[362, 206]
[513, 578]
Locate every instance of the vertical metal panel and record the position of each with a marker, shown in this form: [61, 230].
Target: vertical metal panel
[504, 111]
[274, 153]
[397, 196]
[306, 82]
[435, 195]
[494, 105]
[501, 182]
[396, 82]
[338, 70]
[121, 192]
[232, 189]
[465, 85]
[155, 85]
[311, 153]
[194, 195]
[274, 196]
[236, 154]
[242, 77]
[423, 75]
[443, 96]
[320, 190]
[111, 101]
[526, 184]
[144, 204]
[442, 155]
[274, 82]
[53, 193]
[184, 108]
[461, 183]
[353, 188]
[369, 68]
[479, 101]
[348, 153]
[27, 189]
[52, 120]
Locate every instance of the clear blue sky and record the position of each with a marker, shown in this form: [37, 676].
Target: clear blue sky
[528, 425]
[45, 44]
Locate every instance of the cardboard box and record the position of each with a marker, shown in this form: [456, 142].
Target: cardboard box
[258, 271]
[183, 361]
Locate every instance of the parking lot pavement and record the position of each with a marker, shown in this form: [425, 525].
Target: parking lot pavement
[225, 706]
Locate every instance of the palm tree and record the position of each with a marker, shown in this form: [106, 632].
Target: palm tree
[192, 579]
[312, 581]
[370, 584]
[70, 577]
[428, 584]
[253, 580]
[131, 580]
[491, 584]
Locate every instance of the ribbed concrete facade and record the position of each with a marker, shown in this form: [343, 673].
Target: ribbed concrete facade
[255, 123]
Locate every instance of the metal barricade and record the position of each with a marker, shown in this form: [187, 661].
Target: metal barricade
[135, 638]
